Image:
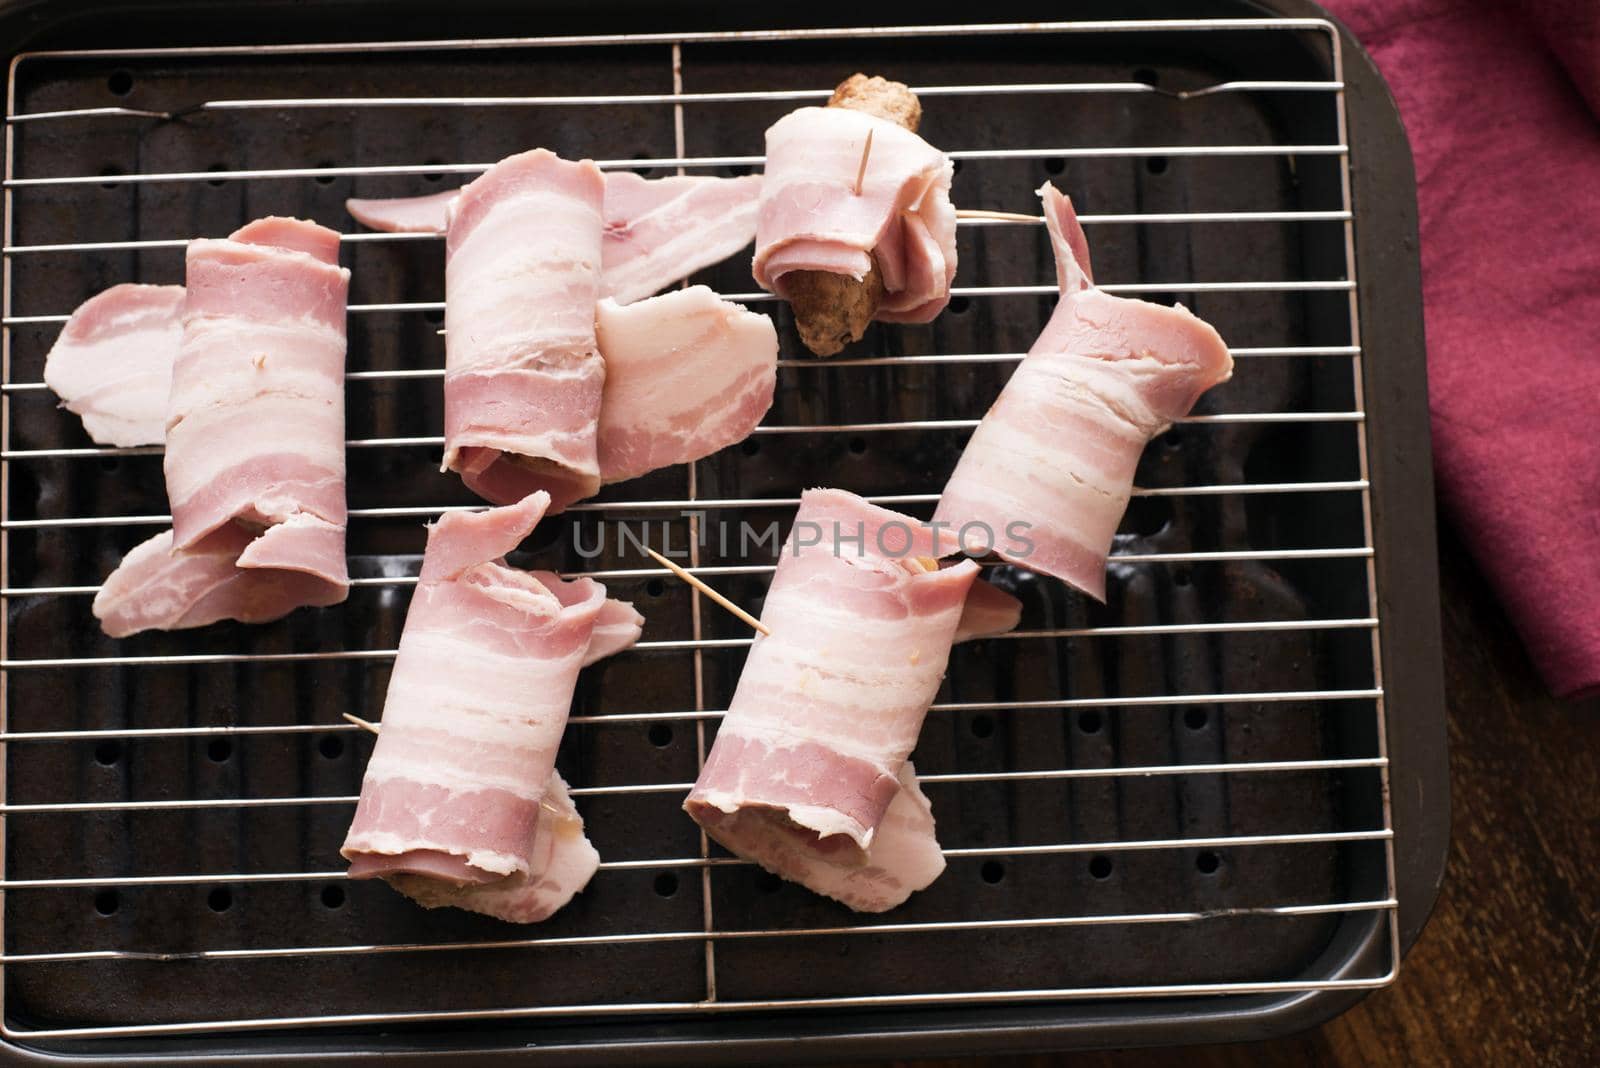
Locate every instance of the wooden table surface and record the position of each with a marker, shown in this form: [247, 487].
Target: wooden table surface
[1508, 970]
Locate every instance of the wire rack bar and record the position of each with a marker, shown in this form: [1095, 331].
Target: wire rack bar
[437, 441]
[426, 512]
[667, 162]
[1153, 701]
[378, 238]
[1332, 285]
[1357, 552]
[1053, 849]
[830, 364]
[1360, 623]
[795, 96]
[1041, 775]
[928, 927]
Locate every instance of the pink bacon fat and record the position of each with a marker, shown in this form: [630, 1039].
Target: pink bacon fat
[1057, 452]
[255, 418]
[463, 768]
[687, 373]
[112, 364]
[523, 373]
[657, 230]
[829, 705]
[812, 219]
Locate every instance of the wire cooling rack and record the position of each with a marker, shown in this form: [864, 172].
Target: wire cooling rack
[49, 528]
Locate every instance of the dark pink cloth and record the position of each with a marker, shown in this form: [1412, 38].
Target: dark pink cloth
[1493, 94]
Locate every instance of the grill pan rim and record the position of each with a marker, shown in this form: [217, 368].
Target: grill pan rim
[1383, 189]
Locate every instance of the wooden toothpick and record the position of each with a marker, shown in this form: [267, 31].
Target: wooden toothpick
[861, 171]
[363, 724]
[708, 591]
[1001, 216]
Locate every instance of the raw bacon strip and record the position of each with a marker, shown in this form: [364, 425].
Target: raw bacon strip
[112, 364]
[1056, 453]
[687, 373]
[657, 230]
[904, 857]
[461, 804]
[661, 230]
[428, 214]
[561, 862]
[523, 373]
[255, 422]
[812, 753]
[254, 431]
[158, 588]
[812, 219]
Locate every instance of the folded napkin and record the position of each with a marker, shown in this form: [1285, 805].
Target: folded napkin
[1500, 99]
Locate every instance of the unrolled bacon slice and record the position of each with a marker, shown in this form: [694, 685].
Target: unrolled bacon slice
[657, 230]
[112, 364]
[808, 775]
[460, 804]
[687, 373]
[1054, 458]
[523, 372]
[812, 218]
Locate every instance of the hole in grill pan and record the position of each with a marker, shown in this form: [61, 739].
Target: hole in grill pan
[434, 315]
[219, 749]
[106, 753]
[1181, 577]
[1148, 516]
[434, 176]
[992, 871]
[982, 726]
[666, 884]
[1089, 722]
[105, 902]
[333, 896]
[1156, 165]
[858, 445]
[1207, 863]
[655, 587]
[220, 899]
[120, 83]
[1147, 76]
[331, 746]
[1196, 719]
[660, 735]
[769, 883]
[216, 167]
[959, 305]
[326, 179]
[750, 446]
[111, 170]
[1055, 165]
[1100, 866]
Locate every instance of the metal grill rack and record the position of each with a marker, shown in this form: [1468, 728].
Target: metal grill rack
[64, 522]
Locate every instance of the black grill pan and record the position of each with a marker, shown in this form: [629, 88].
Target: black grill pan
[136, 928]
